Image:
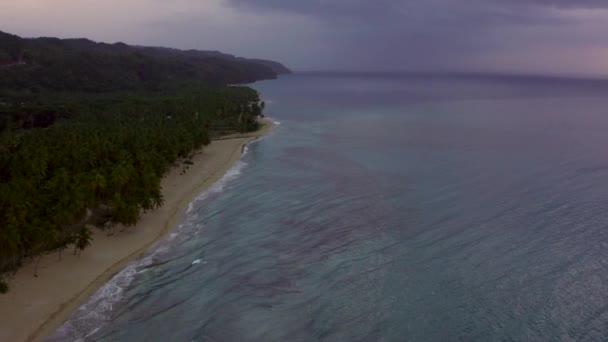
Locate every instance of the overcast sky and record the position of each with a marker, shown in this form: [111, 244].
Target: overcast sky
[557, 36]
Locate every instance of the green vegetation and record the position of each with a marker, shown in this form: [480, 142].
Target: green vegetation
[3, 286]
[108, 159]
[50, 64]
[87, 131]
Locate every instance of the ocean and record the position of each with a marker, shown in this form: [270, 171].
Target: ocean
[388, 207]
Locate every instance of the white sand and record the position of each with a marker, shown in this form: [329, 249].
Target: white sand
[35, 307]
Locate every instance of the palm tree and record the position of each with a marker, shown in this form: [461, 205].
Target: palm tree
[83, 240]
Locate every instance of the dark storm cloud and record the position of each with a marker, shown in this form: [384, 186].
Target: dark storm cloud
[559, 3]
[528, 35]
[366, 7]
[440, 33]
[433, 14]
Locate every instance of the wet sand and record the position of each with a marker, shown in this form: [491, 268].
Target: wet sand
[36, 306]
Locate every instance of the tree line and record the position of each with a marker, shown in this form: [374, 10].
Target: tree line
[82, 65]
[102, 159]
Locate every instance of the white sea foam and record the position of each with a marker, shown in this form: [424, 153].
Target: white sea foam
[219, 186]
[91, 316]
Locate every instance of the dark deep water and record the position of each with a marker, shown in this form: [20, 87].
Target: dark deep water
[389, 208]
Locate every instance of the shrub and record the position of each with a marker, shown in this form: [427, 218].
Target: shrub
[3, 286]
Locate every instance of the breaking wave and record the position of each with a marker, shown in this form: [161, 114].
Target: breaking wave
[96, 312]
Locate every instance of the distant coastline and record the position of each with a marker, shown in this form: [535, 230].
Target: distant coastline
[36, 307]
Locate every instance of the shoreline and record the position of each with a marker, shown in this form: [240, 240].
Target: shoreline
[35, 307]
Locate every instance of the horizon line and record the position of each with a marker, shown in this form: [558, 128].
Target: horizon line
[456, 72]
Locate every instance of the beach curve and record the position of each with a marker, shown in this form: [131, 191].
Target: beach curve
[36, 306]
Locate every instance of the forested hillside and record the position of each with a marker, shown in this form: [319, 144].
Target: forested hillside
[87, 131]
[51, 64]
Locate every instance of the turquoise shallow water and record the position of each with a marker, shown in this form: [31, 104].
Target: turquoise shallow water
[389, 208]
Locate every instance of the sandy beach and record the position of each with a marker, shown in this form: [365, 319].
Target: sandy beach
[36, 306]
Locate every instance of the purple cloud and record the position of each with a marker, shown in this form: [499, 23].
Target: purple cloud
[527, 35]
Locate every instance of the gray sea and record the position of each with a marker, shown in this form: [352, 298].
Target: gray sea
[388, 207]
